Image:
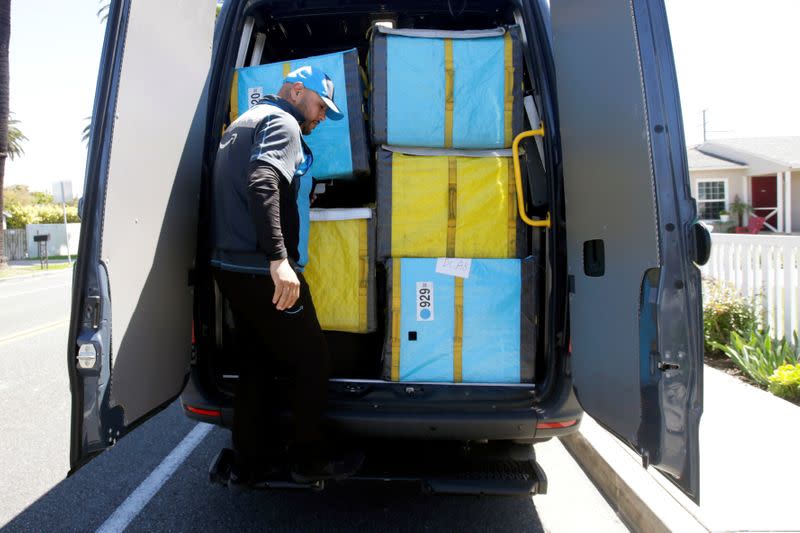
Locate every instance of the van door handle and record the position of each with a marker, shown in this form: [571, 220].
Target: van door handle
[702, 244]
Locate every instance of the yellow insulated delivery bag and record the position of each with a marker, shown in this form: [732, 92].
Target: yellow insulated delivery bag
[341, 268]
[447, 203]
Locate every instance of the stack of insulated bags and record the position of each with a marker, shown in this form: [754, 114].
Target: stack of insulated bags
[478, 326]
[446, 89]
[445, 105]
[341, 268]
[340, 147]
[447, 203]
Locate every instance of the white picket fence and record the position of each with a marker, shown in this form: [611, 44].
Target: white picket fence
[765, 267]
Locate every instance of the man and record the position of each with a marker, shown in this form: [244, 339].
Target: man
[261, 161]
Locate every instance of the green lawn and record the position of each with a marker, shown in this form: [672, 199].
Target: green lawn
[12, 272]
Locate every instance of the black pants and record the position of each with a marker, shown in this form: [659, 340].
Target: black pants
[290, 339]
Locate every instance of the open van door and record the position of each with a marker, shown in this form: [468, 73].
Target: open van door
[635, 295]
[130, 331]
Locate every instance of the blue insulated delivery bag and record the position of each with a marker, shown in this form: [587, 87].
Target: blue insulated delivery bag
[340, 147]
[461, 320]
[446, 89]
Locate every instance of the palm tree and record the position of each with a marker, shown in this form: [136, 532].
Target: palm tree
[15, 138]
[5, 34]
[87, 129]
[102, 13]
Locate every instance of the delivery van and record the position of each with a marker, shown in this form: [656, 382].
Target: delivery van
[612, 232]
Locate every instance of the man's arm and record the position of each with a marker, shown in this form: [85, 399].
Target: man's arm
[263, 198]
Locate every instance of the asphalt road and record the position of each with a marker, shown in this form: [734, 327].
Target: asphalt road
[35, 494]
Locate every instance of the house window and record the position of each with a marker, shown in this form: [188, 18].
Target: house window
[712, 196]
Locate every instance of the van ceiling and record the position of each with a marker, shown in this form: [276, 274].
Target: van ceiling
[299, 28]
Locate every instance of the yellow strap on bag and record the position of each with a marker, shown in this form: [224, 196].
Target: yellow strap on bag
[396, 320]
[452, 205]
[458, 331]
[235, 96]
[508, 100]
[449, 81]
[512, 211]
[363, 278]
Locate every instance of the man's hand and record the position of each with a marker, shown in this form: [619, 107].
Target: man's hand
[287, 286]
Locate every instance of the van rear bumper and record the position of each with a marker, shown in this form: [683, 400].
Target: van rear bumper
[388, 410]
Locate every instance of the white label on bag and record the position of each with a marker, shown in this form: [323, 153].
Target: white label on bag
[424, 301]
[254, 95]
[454, 266]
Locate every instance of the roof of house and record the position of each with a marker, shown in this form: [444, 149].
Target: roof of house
[702, 161]
[761, 154]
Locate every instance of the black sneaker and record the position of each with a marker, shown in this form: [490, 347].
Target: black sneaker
[338, 467]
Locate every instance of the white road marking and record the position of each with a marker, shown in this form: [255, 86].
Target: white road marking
[134, 503]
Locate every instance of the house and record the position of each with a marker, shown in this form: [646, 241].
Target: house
[762, 171]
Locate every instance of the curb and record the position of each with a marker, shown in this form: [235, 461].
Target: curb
[641, 502]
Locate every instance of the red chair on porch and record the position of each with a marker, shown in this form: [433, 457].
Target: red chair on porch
[754, 225]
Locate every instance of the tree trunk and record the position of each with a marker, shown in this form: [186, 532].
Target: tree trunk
[5, 34]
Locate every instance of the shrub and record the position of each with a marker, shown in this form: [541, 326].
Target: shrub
[22, 215]
[725, 311]
[758, 355]
[785, 382]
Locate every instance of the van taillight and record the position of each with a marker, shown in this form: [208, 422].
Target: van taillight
[204, 412]
[556, 425]
[194, 341]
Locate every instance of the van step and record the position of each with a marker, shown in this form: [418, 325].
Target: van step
[220, 473]
[452, 468]
[442, 468]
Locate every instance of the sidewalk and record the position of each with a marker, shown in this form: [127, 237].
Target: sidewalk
[748, 466]
[29, 268]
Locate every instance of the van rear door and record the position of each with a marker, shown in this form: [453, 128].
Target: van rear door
[635, 301]
[139, 219]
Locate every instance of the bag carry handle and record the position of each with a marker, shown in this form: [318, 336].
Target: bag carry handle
[518, 178]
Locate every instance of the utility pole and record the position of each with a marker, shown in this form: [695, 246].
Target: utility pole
[705, 125]
[66, 227]
[60, 195]
[706, 131]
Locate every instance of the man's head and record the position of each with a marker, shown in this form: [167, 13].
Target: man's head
[311, 92]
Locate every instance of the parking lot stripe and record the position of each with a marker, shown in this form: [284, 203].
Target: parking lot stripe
[134, 503]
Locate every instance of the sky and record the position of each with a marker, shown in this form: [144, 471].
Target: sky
[735, 58]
